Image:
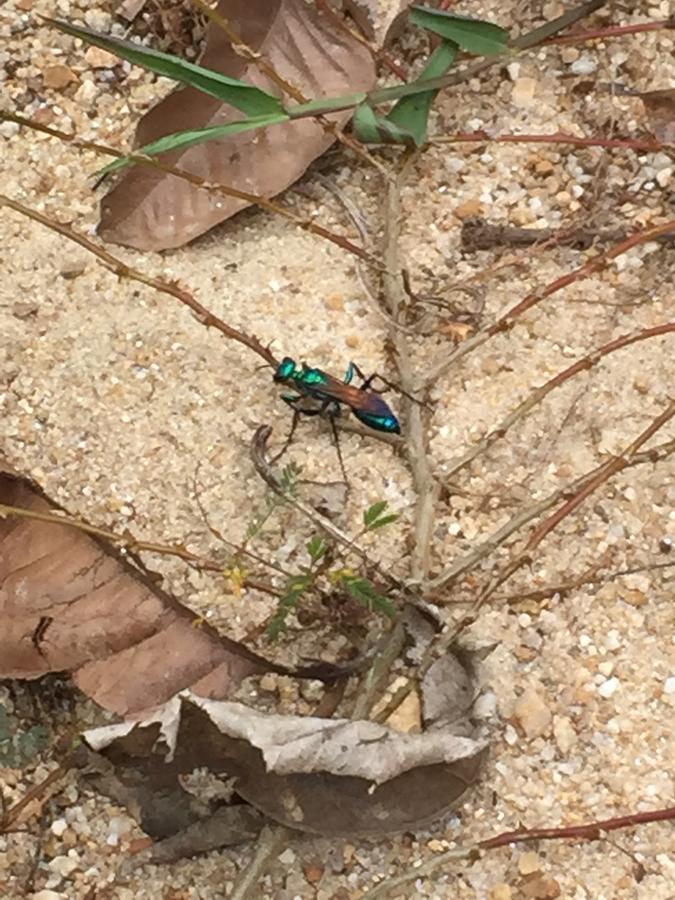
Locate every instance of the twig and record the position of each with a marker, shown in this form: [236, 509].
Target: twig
[581, 489]
[271, 839]
[375, 676]
[211, 187]
[605, 472]
[469, 561]
[478, 234]
[508, 319]
[599, 34]
[121, 269]
[34, 793]
[590, 576]
[590, 831]
[426, 487]
[535, 397]
[558, 137]
[131, 545]
[240, 47]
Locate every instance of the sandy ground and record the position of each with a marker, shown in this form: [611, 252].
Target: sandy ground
[122, 406]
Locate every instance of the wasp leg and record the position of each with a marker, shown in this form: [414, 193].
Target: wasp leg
[367, 384]
[332, 416]
[292, 400]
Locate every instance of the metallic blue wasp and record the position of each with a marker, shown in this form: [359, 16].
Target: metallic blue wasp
[328, 394]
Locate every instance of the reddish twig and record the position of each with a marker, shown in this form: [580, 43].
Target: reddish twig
[611, 468]
[122, 270]
[583, 488]
[558, 137]
[589, 831]
[508, 319]
[611, 31]
[535, 397]
[196, 180]
[470, 560]
[34, 793]
[590, 576]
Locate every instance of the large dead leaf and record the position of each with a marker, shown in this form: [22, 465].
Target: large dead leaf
[151, 210]
[70, 603]
[326, 776]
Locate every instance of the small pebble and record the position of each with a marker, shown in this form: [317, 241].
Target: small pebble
[58, 827]
[528, 863]
[501, 891]
[608, 687]
[533, 714]
[669, 685]
[63, 865]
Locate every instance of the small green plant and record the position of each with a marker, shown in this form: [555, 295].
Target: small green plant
[405, 123]
[325, 563]
[17, 748]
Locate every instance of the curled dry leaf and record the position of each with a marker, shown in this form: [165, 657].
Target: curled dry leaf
[69, 602]
[151, 210]
[324, 776]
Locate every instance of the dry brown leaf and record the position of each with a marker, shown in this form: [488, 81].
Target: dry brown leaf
[325, 776]
[150, 210]
[660, 107]
[69, 603]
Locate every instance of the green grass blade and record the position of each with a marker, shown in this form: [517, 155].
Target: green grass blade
[181, 140]
[412, 113]
[372, 128]
[325, 105]
[472, 35]
[245, 97]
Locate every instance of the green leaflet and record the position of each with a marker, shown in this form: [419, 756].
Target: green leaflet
[412, 113]
[181, 140]
[472, 35]
[245, 97]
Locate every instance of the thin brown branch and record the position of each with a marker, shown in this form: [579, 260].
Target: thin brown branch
[35, 793]
[270, 842]
[470, 560]
[122, 270]
[589, 831]
[131, 545]
[607, 471]
[611, 31]
[535, 397]
[613, 467]
[580, 490]
[211, 187]
[593, 575]
[426, 487]
[558, 137]
[508, 319]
